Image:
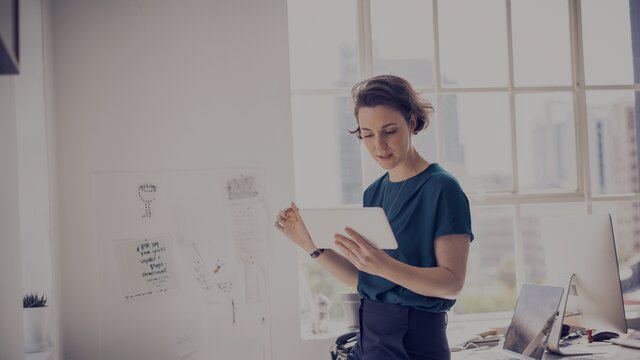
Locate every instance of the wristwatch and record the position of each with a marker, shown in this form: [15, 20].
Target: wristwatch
[316, 253]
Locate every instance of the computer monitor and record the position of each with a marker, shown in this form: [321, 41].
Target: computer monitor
[584, 246]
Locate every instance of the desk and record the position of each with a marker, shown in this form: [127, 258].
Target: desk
[612, 352]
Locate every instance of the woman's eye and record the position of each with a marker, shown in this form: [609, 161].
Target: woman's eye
[390, 132]
[367, 136]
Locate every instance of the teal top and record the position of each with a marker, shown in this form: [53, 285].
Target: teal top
[429, 205]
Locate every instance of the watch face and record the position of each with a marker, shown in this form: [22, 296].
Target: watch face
[316, 253]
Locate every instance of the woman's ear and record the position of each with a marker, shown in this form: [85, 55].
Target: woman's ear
[412, 123]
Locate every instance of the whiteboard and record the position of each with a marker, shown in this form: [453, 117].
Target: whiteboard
[188, 213]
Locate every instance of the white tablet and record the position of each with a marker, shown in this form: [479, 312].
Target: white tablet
[370, 222]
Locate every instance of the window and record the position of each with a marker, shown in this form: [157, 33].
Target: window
[534, 119]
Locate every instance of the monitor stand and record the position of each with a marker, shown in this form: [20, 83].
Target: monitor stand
[553, 344]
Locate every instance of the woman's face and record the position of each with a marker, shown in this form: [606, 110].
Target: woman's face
[386, 134]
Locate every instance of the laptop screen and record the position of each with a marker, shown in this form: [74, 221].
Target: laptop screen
[532, 320]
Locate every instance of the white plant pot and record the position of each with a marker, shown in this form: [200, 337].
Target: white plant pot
[36, 329]
[351, 308]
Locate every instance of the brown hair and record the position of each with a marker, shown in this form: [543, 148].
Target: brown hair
[395, 92]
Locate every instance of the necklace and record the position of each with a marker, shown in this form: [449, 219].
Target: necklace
[384, 196]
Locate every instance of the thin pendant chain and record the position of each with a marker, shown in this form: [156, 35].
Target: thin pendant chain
[384, 196]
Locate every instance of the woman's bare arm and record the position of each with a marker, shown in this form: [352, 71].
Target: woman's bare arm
[443, 281]
[290, 223]
[341, 268]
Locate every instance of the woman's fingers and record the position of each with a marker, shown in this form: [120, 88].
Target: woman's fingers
[351, 246]
[295, 208]
[357, 238]
[281, 219]
[290, 214]
[347, 242]
[284, 213]
[349, 254]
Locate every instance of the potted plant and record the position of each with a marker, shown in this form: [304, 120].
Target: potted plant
[35, 318]
[351, 308]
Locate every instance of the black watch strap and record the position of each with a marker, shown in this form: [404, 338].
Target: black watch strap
[316, 253]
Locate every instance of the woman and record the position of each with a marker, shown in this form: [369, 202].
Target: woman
[405, 292]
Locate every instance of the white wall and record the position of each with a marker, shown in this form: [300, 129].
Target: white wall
[10, 250]
[34, 156]
[25, 241]
[52, 163]
[32, 153]
[152, 85]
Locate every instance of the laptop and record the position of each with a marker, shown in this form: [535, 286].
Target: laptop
[530, 326]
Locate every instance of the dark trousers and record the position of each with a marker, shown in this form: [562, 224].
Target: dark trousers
[396, 332]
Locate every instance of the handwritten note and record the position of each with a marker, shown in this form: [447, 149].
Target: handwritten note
[248, 230]
[146, 266]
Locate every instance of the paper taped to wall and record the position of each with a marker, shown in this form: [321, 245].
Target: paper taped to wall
[146, 266]
[248, 230]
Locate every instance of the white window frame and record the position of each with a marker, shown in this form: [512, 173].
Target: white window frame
[512, 198]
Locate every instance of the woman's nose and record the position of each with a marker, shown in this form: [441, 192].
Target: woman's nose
[381, 143]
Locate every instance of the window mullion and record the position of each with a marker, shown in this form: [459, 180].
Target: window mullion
[512, 102]
[365, 39]
[517, 221]
[321, 92]
[580, 103]
[438, 85]
[507, 199]
[436, 48]
[365, 55]
[616, 197]
[633, 87]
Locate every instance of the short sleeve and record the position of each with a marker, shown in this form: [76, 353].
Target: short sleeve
[453, 215]
[366, 201]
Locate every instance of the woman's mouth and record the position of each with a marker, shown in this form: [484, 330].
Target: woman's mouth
[387, 157]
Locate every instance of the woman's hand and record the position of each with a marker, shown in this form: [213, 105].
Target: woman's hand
[290, 223]
[364, 256]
